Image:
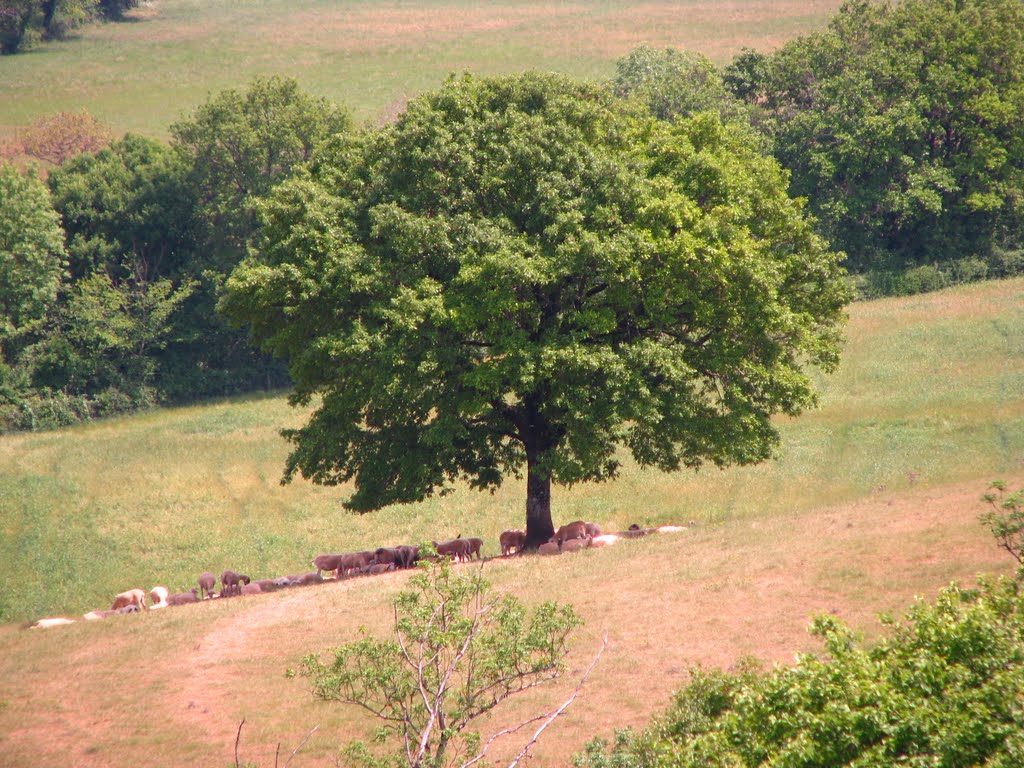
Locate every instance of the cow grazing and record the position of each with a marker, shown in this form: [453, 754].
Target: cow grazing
[353, 562]
[512, 540]
[207, 581]
[456, 549]
[129, 597]
[231, 583]
[408, 555]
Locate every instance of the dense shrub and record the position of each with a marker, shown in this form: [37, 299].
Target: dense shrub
[943, 689]
[46, 408]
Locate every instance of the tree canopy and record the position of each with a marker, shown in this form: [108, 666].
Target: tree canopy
[903, 126]
[522, 272]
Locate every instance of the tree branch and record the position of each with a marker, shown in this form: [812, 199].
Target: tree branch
[565, 705]
[304, 740]
[238, 738]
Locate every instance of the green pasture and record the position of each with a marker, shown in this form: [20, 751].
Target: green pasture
[930, 391]
[143, 74]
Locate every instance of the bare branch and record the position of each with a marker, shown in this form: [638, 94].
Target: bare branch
[499, 734]
[238, 737]
[296, 750]
[443, 685]
[565, 705]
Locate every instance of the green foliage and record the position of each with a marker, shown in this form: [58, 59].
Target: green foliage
[238, 146]
[31, 254]
[1006, 518]
[104, 334]
[943, 689]
[674, 84]
[458, 652]
[24, 23]
[903, 126]
[523, 271]
[127, 211]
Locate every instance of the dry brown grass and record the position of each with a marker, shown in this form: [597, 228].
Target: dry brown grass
[169, 688]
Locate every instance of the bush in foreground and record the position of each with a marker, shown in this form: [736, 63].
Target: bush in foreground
[944, 689]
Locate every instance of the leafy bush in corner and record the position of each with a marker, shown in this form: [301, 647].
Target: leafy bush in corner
[943, 689]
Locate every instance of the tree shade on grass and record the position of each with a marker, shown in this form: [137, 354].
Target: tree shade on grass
[524, 272]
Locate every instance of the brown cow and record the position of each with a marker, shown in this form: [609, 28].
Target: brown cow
[509, 540]
[353, 561]
[575, 545]
[182, 598]
[207, 581]
[374, 569]
[386, 556]
[408, 555]
[231, 581]
[474, 548]
[457, 549]
[575, 530]
[328, 563]
[302, 579]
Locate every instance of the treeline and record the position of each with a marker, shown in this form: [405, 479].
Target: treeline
[901, 126]
[26, 23]
[111, 268]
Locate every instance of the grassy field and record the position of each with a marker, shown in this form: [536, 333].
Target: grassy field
[873, 499]
[143, 74]
[929, 392]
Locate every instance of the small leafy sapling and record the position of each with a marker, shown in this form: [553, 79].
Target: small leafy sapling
[1005, 519]
[458, 652]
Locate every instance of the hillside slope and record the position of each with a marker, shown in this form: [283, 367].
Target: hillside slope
[874, 499]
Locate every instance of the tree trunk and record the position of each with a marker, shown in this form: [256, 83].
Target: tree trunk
[538, 504]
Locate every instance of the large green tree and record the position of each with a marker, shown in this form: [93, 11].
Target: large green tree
[903, 126]
[523, 274]
[236, 147]
[673, 83]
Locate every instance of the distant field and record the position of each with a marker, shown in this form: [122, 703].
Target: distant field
[874, 499]
[143, 74]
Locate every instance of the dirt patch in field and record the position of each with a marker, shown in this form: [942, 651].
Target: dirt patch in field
[761, 24]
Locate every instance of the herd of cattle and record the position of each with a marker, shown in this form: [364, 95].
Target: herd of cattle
[571, 537]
